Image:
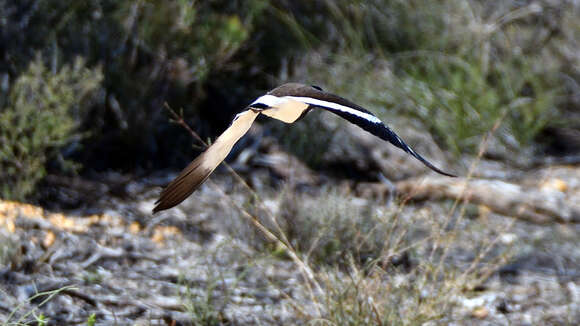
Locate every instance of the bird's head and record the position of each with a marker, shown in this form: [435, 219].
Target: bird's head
[258, 106]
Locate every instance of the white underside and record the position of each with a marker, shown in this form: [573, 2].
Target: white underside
[269, 100]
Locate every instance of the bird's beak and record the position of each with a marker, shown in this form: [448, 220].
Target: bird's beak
[255, 109]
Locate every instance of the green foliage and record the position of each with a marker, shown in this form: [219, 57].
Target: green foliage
[40, 117]
[206, 38]
[150, 52]
[203, 308]
[459, 101]
[455, 65]
[41, 320]
[92, 319]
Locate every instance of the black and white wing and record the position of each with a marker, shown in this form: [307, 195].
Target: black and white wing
[366, 120]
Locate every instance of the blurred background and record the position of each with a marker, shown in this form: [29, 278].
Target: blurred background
[83, 84]
[490, 88]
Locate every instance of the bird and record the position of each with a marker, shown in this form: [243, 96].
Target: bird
[287, 103]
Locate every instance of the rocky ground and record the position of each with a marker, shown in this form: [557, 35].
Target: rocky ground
[498, 248]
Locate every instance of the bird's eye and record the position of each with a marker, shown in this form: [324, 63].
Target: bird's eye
[316, 87]
[259, 106]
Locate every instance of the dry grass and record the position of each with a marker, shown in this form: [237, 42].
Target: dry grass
[365, 263]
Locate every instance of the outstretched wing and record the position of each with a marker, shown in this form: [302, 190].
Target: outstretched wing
[364, 119]
[199, 170]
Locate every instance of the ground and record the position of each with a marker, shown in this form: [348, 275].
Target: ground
[334, 255]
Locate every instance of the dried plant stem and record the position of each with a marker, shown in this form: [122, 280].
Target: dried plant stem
[464, 197]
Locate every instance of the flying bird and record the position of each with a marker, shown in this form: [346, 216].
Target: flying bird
[286, 103]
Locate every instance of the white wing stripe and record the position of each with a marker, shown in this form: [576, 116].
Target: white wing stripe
[332, 105]
[269, 100]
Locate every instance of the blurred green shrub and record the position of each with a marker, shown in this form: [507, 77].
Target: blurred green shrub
[150, 52]
[457, 66]
[460, 102]
[43, 109]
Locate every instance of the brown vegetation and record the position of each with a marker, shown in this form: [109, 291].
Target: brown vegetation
[316, 223]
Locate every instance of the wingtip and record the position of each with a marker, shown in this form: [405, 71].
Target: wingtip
[161, 206]
[157, 208]
[448, 174]
[432, 167]
[401, 144]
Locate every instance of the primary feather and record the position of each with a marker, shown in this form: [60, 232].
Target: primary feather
[199, 170]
